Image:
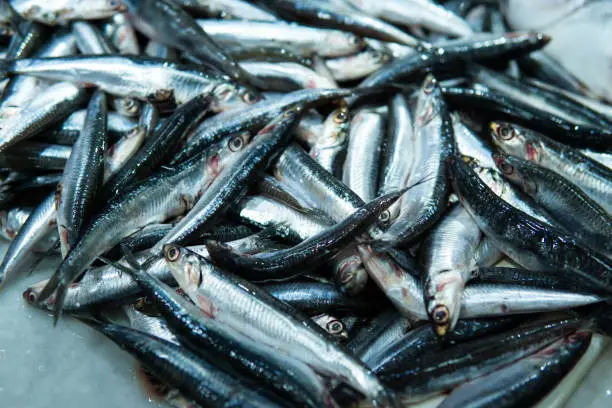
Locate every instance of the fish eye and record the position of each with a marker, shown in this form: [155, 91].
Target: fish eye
[341, 116]
[430, 85]
[506, 133]
[235, 143]
[384, 217]
[172, 253]
[335, 327]
[440, 315]
[249, 97]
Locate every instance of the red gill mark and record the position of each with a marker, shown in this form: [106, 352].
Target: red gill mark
[531, 152]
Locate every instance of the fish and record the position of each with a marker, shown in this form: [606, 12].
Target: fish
[588, 221]
[329, 145]
[357, 66]
[271, 322]
[64, 11]
[228, 9]
[83, 175]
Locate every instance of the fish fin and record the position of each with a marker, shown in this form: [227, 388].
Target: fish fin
[49, 288]
[60, 297]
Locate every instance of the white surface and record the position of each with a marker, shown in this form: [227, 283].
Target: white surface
[68, 366]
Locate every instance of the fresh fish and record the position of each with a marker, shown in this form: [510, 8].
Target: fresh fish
[527, 380]
[166, 22]
[590, 176]
[298, 38]
[163, 196]
[121, 34]
[340, 15]
[190, 374]
[429, 373]
[424, 203]
[146, 79]
[271, 322]
[315, 297]
[38, 225]
[399, 151]
[363, 153]
[348, 271]
[391, 333]
[469, 144]
[12, 220]
[229, 9]
[155, 326]
[279, 265]
[53, 105]
[328, 148]
[526, 240]
[89, 39]
[567, 203]
[448, 255]
[83, 175]
[33, 155]
[357, 66]
[64, 11]
[422, 13]
[122, 151]
[160, 145]
[287, 76]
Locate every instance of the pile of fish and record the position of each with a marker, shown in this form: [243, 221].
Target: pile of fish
[310, 203]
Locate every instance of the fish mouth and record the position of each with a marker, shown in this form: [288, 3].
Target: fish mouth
[441, 319]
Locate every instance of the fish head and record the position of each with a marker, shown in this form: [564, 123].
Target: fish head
[429, 101]
[335, 128]
[185, 266]
[230, 95]
[514, 140]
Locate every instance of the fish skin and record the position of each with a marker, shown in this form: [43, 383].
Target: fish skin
[40, 223]
[119, 31]
[55, 103]
[195, 377]
[32, 155]
[247, 162]
[588, 221]
[166, 22]
[282, 264]
[231, 9]
[83, 175]
[165, 195]
[63, 11]
[527, 380]
[304, 341]
[528, 241]
[143, 78]
[589, 175]
[162, 142]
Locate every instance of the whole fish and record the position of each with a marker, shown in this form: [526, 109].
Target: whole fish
[448, 255]
[424, 203]
[163, 196]
[147, 79]
[362, 156]
[590, 176]
[529, 379]
[195, 377]
[567, 203]
[525, 239]
[298, 38]
[38, 225]
[282, 264]
[245, 165]
[271, 322]
[340, 15]
[168, 23]
[83, 175]
[422, 13]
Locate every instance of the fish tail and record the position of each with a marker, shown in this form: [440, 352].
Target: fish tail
[49, 288]
[60, 297]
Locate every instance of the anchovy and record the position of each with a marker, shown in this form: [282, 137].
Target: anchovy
[332, 325]
[590, 176]
[314, 297]
[160, 145]
[363, 153]
[28, 155]
[527, 380]
[281, 264]
[195, 377]
[162, 196]
[64, 11]
[89, 39]
[12, 220]
[588, 221]
[357, 66]
[424, 203]
[339, 15]
[328, 147]
[298, 38]
[39, 224]
[166, 22]
[155, 326]
[230, 9]
[287, 76]
[122, 151]
[83, 175]
[119, 31]
[448, 255]
[525, 239]
[399, 151]
[146, 79]
[272, 323]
